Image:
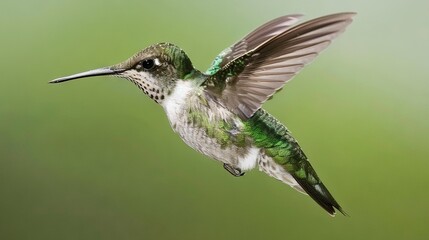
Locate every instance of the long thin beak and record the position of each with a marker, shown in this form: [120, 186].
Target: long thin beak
[90, 73]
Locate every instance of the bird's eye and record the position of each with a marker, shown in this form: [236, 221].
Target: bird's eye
[147, 64]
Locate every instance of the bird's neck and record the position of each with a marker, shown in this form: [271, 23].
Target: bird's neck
[178, 99]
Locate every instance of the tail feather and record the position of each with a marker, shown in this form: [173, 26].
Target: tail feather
[284, 159]
[321, 195]
[308, 183]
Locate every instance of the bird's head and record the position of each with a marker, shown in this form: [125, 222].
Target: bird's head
[155, 70]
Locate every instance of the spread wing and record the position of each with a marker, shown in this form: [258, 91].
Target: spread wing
[247, 74]
[252, 40]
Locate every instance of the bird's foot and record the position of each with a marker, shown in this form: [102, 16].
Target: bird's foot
[236, 172]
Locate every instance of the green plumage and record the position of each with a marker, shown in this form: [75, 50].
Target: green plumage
[219, 130]
[277, 142]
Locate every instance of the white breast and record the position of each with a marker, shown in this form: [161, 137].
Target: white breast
[177, 106]
[174, 103]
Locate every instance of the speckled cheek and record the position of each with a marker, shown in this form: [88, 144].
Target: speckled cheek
[149, 87]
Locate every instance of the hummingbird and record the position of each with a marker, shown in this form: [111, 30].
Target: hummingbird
[218, 112]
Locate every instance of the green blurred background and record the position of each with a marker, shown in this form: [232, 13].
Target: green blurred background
[96, 159]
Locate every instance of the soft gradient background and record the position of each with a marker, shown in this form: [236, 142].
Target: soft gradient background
[96, 158]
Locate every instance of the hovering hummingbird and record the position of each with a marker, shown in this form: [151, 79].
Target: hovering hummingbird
[219, 114]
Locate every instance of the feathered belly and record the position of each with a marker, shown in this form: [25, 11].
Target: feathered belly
[218, 140]
[209, 128]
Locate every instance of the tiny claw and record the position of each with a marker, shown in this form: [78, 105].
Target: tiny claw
[236, 172]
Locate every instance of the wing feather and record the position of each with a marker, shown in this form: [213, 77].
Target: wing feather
[252, 40]
[255, 68]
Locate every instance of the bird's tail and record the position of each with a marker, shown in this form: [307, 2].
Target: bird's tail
[284, 159]
[304, 179]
